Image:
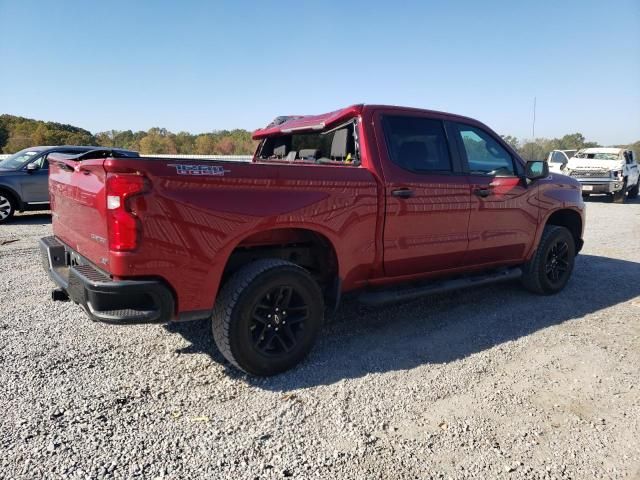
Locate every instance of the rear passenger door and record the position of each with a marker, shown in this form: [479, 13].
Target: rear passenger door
[504, 213]
[427, 197]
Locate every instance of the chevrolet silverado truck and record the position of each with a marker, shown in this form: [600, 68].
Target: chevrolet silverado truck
[383, 203]
[613, 171]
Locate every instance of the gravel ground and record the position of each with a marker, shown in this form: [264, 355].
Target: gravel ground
[489, 383]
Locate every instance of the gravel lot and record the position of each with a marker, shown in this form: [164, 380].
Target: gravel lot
[489, 383]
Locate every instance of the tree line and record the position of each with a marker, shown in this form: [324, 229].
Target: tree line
[17, 133]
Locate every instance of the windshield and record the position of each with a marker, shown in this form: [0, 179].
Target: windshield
[17, 160]
[599, 156]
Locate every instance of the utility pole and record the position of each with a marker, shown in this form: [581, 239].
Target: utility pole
[533, 128]
[533, 131]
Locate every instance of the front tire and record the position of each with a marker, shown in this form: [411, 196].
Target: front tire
[633, 193]
[550, 268]
[621, 195]
[7, 207]
[267, 317]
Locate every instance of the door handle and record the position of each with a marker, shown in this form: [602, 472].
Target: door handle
[482, 192]
[402, 193]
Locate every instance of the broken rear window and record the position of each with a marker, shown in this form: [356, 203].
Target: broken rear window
[334, 146]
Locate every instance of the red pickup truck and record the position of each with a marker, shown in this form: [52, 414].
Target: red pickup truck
[385, 203]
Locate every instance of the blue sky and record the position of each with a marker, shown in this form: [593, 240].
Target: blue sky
[203, 65]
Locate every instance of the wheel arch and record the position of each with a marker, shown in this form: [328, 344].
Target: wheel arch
[14, 195]
[571, 220]
[306, 247]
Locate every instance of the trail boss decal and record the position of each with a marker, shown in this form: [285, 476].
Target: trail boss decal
[200, 170]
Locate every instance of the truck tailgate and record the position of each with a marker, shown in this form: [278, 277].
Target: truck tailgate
[78, 203]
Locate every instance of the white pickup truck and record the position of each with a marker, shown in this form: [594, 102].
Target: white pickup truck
[558, 160]
[613, 171]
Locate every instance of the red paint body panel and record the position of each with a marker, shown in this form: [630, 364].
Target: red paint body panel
[190, 224]
[78, 202]
[502, 226]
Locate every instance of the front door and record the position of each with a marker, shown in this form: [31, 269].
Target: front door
[504, 211]
[35, 184]
[427, 198]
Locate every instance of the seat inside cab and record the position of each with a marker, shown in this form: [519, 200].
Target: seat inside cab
[337, 146]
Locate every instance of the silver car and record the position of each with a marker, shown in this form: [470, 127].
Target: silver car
[24, 178]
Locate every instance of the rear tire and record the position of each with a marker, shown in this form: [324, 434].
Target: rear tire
[267, 317]
[633, 193]
[7, 207]
[550, 268]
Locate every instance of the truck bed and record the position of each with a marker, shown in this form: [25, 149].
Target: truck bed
[197, 211]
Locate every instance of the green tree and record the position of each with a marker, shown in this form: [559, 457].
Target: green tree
[205, 145]
[185, 142]
[512, 141]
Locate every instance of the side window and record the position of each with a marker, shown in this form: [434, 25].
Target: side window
[558, 157]
[628, 157]
[42, 162]
[417, 144]
[484, 154]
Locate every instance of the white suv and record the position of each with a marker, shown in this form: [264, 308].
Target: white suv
[613, 171]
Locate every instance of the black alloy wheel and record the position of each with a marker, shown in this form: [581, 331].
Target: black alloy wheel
[549, 270]
[557, 262]
[278, 320]
[267, 316]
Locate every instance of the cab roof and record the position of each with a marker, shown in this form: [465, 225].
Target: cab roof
[288, 124]
[602, 150]
[299, 123]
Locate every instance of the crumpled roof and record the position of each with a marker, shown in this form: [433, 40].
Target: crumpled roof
[289, 124]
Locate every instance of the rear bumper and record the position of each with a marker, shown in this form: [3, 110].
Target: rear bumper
[104, 299]
[600, 186]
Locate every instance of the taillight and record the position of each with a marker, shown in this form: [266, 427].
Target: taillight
[122, 221]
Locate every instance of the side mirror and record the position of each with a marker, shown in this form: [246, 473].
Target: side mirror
[536, 169]
[32, 167]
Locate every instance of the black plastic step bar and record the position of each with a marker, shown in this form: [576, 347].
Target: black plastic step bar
[396, 295]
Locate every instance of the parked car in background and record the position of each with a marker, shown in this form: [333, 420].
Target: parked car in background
[558, 160]
[613, 171]
[388, 203]
[24, 177]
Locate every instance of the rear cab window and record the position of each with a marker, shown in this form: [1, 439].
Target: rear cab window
[335, 146]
